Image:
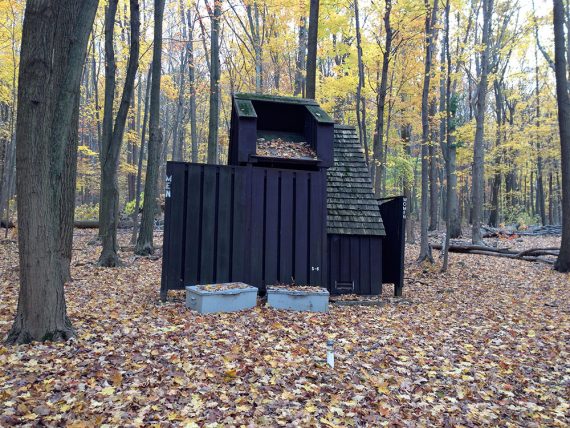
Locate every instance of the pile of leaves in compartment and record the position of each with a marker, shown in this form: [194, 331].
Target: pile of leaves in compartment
[278, 148]
[296, 287]
[223, 287]
[488, 343]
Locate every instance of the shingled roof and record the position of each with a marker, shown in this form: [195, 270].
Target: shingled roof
[351, 206]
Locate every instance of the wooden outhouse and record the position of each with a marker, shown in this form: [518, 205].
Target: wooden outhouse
[354, 225]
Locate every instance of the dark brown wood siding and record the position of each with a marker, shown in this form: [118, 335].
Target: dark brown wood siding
[241, 223]
[355, 264]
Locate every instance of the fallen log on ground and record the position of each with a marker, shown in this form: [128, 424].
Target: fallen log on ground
[86, 224]
[493, 232]
[94, 224]
[531, 254]
[7, 224]
[550, 251]
[467, 248]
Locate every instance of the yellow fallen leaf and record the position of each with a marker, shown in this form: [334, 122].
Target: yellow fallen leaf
[230, 374]
[382, 388]
[328, 423]
[172, 416]
[108, 391]
[197, 402]
[30, 416]
[243, 408]
[310, 408]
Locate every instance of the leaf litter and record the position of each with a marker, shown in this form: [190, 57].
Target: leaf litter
[486, 344]
[279, 148]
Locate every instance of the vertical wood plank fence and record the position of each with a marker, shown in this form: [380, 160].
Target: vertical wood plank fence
[241, 223]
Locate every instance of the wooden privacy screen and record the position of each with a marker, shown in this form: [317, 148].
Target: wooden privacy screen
[241, 223]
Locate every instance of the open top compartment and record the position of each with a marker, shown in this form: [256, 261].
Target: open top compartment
[279, 131]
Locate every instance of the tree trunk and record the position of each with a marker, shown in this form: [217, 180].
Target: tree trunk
[443, 114]
[431, 17]
[113, 134]
[378, 142]
[406, 133]
[178, 127]
[253, 20]
[145, 245]
[300, 64]
[8, 177]
[55, 33]
[497, 178]
[550, 200]
[433, 192]
[478, 147]
[360, 102]
[563, 261]
[192, 88]
[214, 120]
[3, 157]
[540, 199]
[67, 215]
[140, 160]
[532, 206]
[311, 80]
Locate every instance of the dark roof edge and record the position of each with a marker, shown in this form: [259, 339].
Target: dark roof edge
[274, 98]
[346, 127]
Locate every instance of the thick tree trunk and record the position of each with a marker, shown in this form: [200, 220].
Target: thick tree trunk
[213, 124]
[145, 245]
[431, 17]
[311, 82]
[113, 134]
[478, 147]
[563, 261]
[54, 33]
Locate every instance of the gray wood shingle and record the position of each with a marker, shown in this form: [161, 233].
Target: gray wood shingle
[351, 206]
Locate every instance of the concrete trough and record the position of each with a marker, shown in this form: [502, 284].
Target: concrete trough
[298, 300]
[222, 300]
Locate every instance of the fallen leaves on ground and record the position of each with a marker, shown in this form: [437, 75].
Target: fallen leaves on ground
[487, 343]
